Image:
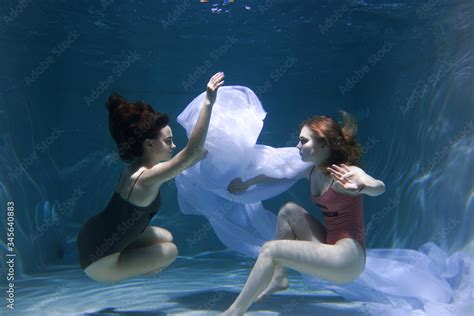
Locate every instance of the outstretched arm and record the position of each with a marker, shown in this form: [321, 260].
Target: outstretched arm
[194, 150]
[354, 180]
[237, 185]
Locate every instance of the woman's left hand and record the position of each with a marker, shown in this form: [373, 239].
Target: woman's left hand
[350, 180]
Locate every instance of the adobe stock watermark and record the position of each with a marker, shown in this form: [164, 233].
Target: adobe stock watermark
[117, 72]
[214, 56]
[378, 217]
[333, 18]
[205, 228]
[441, 234]
[16, 11]
[418, 94]
[118, 232]
[440, 154]
[47, 302]
[57, 51]
[276, 75]
[30, 159]
[438, 238]
[175, 14]
[59, 210]
[371, 142]
[426, 8]
[215, 299]
[106, 3]
[360, 73]
[266, 5]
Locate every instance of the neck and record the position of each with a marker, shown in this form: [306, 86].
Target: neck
[145, 162]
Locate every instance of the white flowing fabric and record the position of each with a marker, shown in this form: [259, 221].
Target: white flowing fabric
[240, 221]
[394, 282]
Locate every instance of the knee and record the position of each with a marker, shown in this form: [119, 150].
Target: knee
[162, 234]
[267, 249]
[288, 210]
[167, 235]
[172, 251]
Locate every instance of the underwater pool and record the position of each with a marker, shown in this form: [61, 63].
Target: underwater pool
[403, 69]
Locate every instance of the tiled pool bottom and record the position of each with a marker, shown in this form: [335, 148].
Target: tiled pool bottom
[204, 285]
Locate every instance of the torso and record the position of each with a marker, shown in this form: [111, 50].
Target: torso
[141, 196]
[320, 183]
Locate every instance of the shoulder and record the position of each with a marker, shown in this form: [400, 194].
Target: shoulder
[305, 173]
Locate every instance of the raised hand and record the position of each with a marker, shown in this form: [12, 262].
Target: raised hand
[350, 180]
[214, 83]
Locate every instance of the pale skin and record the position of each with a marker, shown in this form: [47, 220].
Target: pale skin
[154, 249]
[300, 238]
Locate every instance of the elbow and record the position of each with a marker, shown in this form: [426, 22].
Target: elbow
[381, 187]
[193, 154]
[193, 151]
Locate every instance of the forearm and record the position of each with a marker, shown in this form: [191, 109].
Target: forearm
[261, 179]
[199, 132]
[372, 187]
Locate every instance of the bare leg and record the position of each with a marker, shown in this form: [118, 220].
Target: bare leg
[294, 223]
[150, 253]
[340, 263]
[150, 236]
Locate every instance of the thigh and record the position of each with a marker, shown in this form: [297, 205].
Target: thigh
[151, 235]
[342, 262]
[132, 262]
[303, 224]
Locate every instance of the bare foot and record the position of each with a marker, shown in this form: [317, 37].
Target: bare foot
[274, 286]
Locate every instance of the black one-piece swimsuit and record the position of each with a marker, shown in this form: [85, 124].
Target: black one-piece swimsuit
[113, 229]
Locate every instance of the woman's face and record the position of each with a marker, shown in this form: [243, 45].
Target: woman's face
[163, 145]
[311, 148]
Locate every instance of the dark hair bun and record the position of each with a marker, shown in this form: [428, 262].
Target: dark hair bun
[130, 123]
[114, 101]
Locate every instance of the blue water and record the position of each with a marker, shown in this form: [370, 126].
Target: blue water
[404, 69]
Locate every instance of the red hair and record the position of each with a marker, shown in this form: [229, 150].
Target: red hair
[130, 123]
[341, 141]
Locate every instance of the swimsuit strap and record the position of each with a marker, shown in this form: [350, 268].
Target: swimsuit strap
[311, 172]
[134, 184]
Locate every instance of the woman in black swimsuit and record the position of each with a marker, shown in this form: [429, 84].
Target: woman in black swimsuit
[117, 243]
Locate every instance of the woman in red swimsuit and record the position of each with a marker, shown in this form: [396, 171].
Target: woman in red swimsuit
[334, 251]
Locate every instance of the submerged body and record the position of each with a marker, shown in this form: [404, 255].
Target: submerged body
[111, 240]
[114, 228]
[335, 253]
[117, 243]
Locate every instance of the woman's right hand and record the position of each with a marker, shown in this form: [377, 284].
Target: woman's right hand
[237, 186]
[214, 83]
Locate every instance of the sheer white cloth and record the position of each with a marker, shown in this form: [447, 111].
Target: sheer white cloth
[394, 282]
[240, 221]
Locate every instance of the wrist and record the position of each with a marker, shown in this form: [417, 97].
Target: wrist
[247, 184]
